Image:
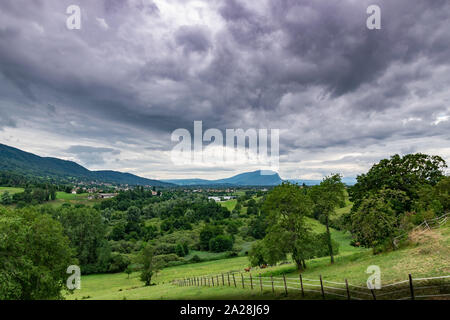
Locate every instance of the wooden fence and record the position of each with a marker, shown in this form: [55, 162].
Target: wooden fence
[424, 226]
[410, 288]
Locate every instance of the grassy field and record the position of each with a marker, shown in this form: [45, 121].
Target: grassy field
[11, 190]
[70, 196]
[427, 255]
[118, 286]
[63, 197]
[229, 204]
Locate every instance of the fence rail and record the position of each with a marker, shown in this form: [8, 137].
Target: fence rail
[425, 226]
[412, 288]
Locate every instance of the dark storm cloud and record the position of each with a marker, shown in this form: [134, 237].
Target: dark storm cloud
[193, 38]
[139, 69]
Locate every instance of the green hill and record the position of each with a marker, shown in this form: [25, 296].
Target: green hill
[426, 256]
[30, 165]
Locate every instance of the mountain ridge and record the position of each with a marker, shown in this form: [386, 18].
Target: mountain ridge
[254, 178]
[29, 164]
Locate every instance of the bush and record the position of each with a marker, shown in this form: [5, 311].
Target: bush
[179, 250]
[119, 263]
[221, 243]
[163, 260]
[195, 259]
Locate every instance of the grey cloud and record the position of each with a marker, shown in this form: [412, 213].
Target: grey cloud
[310, 68]
[92, 156]
[193, 38]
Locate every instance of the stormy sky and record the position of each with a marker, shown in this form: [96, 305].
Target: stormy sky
[110, 94]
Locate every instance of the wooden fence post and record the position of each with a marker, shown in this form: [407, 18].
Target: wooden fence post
[348, 291]
[217, 278]
[373, 294]
[285, 287]
[301, 284]
[223, 280]
[251, 281]
[212, 280]
[242, 277]
[321, 287]
[271, 279]
[234, 280]
[411, 287]
[260, 282]
[228, 276]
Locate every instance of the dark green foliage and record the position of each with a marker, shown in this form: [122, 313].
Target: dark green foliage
[328, 196]
[150, 232]
[179, 250]
[207, 233]
[257, 227]
[149, 266]
[258, 255]
[408, 174]
[6, 198]
[165, 260]
[118, 231]
[119, 263]
[286, 207]
[87, 233]
[376, 221]
[321, 248]
[221, 243]
[394, 193]
[35, 256]
[195, 259]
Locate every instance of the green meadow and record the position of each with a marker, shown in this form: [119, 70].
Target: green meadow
[426, 255]
[11, 190]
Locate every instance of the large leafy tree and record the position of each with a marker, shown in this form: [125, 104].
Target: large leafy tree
[34, 256]
[407, 173]
[149, 264]
[286, 207]
[377, 220]
[327, 196]
[87, 233]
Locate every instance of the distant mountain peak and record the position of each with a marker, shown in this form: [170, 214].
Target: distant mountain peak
[254, 178]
